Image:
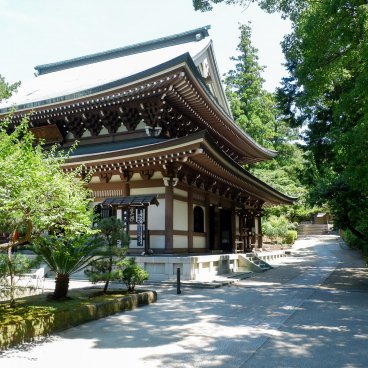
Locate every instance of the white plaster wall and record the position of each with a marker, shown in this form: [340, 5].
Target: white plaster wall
[181, 193]
[157, 241]
[199, 242]
[180, 241]
[143, 191]
[157, 175]
[156, 216]
[95, 179]
[122, 128]
[180, 215]
[136, 177]
[115, 179]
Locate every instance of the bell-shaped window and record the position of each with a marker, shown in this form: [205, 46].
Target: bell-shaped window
[198, 218]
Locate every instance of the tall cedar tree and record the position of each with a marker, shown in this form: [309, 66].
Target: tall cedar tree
[255, 111]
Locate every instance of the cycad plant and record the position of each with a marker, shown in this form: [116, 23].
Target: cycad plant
[66, 255]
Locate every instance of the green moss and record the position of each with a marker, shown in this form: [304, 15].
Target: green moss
[36, 315]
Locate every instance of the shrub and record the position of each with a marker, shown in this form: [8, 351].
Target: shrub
[275, 227]
[290, 236]
[130, 273]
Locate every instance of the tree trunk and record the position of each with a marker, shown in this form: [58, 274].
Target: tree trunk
[109, 272]
[11, 275]
[61, 286]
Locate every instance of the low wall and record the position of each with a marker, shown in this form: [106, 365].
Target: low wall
[197, 267]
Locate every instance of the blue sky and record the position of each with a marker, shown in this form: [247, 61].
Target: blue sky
[43, 31]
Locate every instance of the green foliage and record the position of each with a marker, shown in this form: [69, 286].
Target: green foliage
[35, 194]
[276, 228]
[66, 255]
[290, 236]
[113, 236]
[327, 61]
[253, 108]
[355, 242]
[12, 267]
[36, 315]
[7, 89]
[130, 273]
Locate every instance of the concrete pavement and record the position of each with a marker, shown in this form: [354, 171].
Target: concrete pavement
[311, 310]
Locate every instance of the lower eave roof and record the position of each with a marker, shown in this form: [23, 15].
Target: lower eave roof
[198, 147]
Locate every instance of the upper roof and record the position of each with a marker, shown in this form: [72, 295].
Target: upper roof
[82, 75]
[183, 65]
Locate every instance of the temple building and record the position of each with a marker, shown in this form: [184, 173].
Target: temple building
[156, 132]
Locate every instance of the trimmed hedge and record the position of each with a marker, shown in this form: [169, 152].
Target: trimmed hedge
[54, 320]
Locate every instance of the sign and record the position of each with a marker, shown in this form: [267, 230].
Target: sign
[140, 222]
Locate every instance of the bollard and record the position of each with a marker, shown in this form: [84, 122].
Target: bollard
[178, 291]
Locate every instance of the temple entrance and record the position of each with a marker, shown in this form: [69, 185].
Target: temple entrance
[226, 236]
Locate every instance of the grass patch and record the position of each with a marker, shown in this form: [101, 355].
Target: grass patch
[36, 315]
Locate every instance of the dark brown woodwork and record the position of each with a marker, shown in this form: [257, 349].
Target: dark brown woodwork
[147, 174]
[130, 116]
[217, 229]
[207, 220]
[151, 111]
[105, 177]
[190, 219]
[47, 133]
[169, 213]
[125, 175]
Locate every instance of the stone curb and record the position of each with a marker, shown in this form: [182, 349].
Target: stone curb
[27, 330]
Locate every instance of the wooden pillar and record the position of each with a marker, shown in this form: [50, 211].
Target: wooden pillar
[125, 176]
[260, 235]
[253, 229]
[217, 228]
[190, 219]
[126, 189]
[207, 221]
[169, 214]
[146, 232]
[233, 237]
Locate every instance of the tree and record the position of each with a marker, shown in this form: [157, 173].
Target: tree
[113, 236]
[36, 196]
[11, 270]
[327, 61]
[253, 108]
[7, 89]
[257, 112]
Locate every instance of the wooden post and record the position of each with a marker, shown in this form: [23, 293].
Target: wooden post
[207, 221]
[260, 235]
[190, 219]
[169, 214]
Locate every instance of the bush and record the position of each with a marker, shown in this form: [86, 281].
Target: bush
[354, 242]
[276, 228]
[290, 236]
[130, 273]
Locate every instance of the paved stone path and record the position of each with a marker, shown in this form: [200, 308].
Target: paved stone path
[311, 310]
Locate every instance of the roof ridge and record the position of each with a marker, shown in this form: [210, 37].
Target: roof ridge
[176, 39]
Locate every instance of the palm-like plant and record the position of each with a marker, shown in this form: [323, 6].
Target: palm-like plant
[66, 255]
